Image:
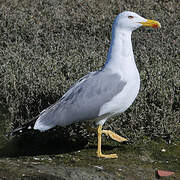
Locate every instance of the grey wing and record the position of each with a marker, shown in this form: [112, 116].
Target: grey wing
[83, 100]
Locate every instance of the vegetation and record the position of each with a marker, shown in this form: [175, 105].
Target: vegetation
[46, 46]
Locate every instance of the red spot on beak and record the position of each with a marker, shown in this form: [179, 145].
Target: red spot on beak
[155, 26]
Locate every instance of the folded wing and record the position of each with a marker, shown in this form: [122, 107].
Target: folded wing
[82, 101]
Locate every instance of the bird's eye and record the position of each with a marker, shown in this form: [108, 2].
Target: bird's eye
[130, 17]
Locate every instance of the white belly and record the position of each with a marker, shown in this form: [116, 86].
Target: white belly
[124, 99]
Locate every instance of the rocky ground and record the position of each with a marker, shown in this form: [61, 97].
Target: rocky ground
[30, 157]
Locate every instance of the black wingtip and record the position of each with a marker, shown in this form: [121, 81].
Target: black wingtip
[24, 128]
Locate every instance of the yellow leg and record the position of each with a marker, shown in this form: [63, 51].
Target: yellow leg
[99, 153]
[113, 136]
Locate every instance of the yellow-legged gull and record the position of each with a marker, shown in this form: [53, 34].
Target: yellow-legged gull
[102, 94]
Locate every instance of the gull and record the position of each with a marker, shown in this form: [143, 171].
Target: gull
[105, 93]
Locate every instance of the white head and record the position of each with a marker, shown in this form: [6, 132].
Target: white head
[130, 21]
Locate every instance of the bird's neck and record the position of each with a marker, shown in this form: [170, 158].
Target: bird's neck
[120, 55]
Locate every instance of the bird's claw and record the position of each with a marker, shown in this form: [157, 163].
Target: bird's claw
[107, 155]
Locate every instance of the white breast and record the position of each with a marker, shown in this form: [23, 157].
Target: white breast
[121, 61]
[122, 101]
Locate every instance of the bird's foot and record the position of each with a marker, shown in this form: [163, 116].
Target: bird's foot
[114, 136]
[100, 155]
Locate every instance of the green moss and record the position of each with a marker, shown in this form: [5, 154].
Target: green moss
[134, 162]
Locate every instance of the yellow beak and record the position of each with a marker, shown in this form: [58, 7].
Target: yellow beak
[151, 23]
